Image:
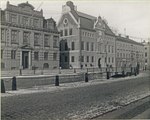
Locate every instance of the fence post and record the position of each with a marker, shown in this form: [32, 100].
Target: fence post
[14, 83]
[86, 77]
[107, 75]
[2, 86]
[57, 80]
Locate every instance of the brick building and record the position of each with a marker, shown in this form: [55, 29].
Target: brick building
[28, 39]
[86, 41]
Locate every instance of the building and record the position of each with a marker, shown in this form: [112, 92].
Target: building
[85, 41]
[28, 39]
[147, 55]
[129, 53]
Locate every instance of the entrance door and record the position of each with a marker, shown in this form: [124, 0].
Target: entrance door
[99, 62]
[25, 59]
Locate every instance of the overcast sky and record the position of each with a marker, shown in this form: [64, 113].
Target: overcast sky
[134, 16]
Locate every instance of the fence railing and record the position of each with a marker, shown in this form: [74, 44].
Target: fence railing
[28, 72]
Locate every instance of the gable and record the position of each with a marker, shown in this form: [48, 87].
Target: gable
[71, 20]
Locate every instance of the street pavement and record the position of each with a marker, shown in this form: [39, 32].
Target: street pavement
[75, 103]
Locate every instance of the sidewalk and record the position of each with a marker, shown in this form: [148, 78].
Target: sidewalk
[52, 88]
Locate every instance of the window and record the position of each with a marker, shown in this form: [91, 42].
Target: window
[70, 31]
[26, 37]
[112, 49]
[82, 45]
[82, 58]
[72, 58]
[112, 59]
[45, 55]
[66, 32]
[35, 22]
[2, 35]
[13, 54]
[2, 54]
[36, 38]
[36, 55]
[92, 59]
[46, 38]
[72, 46]
[66, 59]
[13, 18]
[14, 36]
[105, 60]
[145, 48]
[25, 20]
[54, 56]
[92, 46]
[61, 32]
[145, 54]
[109, 48]
[145, 60]
[109, 59]
[87, 59]
[66, 46]
[55, 40]
[87, 46]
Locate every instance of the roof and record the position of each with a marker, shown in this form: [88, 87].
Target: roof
[123, 39]
[87, 22]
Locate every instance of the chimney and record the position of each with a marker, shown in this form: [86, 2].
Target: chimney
[119, 35]
[127, 36]
[71, 5]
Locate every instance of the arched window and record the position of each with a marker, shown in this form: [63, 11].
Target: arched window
[45, 65]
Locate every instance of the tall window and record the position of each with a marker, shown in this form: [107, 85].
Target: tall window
[13, 18]
[45, 55]
[61, 32]
[36, 55]
[2, 54]
[25, 20]
[92, 46]
[112, 59]
[82, 45]
[145, 54]
[109, 59]
[36, 38]
[92, 59]
[55, 41]
[87, 58]
[82, 58]
[70, 31]
[26, 37]
[13, 54]
[46, 39]
[54, 56]
[72, 46]
[109, 48]
[87, 46]
[66, 32]
[66, 59]
[35, 22]
[72, 58]
[14, 36]
[112, 49]
[66, 46]
[2, 35]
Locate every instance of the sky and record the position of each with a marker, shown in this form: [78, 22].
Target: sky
[129, 17]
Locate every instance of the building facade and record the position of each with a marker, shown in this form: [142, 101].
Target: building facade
[85, 41]
[28, 39]
[129, 53]
[147, 55]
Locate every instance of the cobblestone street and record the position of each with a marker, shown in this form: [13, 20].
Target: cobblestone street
[76, 102]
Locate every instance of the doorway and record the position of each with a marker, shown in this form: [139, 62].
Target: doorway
[25, 59]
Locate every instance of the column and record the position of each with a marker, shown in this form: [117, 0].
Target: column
[30, 60]
[20, 58]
